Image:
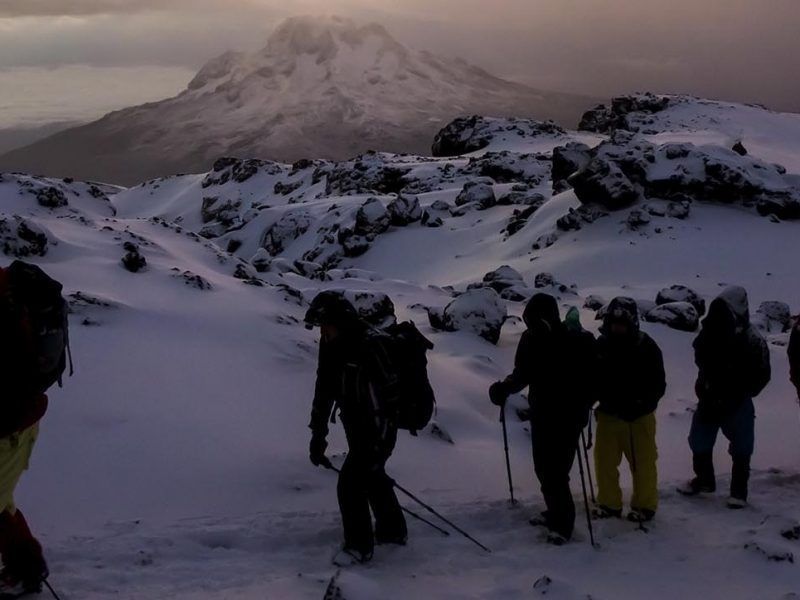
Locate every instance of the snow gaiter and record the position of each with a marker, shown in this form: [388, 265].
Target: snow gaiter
[704, 470]
[740, 477]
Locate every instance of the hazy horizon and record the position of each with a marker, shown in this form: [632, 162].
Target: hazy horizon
[75, 60]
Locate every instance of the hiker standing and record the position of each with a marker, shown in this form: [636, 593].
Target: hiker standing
[33, 326]
[733, 368]
[355, 376]
[630, 383]
[556, 363]
[794, 356]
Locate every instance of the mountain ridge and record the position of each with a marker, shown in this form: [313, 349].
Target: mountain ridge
[322, 87]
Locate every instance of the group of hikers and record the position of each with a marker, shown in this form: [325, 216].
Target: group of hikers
[618, 378]
[376, 382]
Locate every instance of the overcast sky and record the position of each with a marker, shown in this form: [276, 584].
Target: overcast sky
[745, 50]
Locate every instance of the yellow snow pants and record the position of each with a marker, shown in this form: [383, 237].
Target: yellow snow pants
[15, 454]
[636, 441]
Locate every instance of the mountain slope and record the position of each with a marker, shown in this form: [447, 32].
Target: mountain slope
[177, 455]
[322, 87]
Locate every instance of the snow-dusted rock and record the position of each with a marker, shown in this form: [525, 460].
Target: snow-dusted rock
[594, 302]
[505, 281]
[133, 260]
[627, 168]
[477, 192]
[285, 230]
[404, 210]
[376, 308]
[22, 238]
[520, 218]
[51, 197]
[545, 281]
[468, 134]
[626, 112]
[192, 279]
[480, 311]
[681, 293]
[372, 219]
[677, 315]
[238, 170]
[567, 160]
[773, 317]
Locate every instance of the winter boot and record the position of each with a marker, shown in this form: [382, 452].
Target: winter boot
[540, 520]
[704, 481]
[556, 539]
[740, 478]
[603, 512]
[348, 557]
[641, 515]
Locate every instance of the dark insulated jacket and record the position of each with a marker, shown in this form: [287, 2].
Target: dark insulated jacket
[19, 409]
[558, 366]
[733, 362]
[355, 375]
[794, 355]
[630, 376]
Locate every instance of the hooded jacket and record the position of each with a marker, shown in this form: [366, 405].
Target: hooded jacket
[557, 364]
[731, 355]
[630, 368]
[794, 355]
[355, 375]
[19, 409]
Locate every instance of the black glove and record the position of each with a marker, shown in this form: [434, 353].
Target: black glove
[498, 394]
[316, 452]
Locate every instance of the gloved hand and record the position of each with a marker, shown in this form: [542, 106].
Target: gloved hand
[316, 452]
[498, 394]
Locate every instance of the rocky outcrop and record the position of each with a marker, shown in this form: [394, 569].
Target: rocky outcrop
[469, 134]
[22, 238]
[627, 169]
[681, 293]
[479, 311]
[676, 315]
[626, 112]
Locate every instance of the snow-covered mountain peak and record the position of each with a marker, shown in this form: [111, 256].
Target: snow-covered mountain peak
[321, 86]
[323, 37]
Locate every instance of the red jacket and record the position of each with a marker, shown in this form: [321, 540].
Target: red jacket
[18, 408]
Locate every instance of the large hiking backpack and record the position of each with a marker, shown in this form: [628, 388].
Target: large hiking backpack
[37, 298]
[417, 403]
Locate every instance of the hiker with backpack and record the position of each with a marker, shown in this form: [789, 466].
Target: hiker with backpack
[630, 383]
[33, 325]
[368, 377]
[556, 362]
[733, 364]
[794, 355]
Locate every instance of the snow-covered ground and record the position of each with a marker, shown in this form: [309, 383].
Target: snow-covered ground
[174, 463]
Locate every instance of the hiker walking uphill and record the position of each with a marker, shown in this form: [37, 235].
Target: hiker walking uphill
[733, 368]
[630, 383]
[556, 362]
[33, 329]
[355, 375]
[794, 356]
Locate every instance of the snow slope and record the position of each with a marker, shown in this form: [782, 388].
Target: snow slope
[321, 87]
[174, 464]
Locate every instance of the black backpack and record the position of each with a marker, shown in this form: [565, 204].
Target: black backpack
[38, 297]
[417, 403]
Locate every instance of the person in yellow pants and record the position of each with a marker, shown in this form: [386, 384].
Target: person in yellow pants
[631, 382]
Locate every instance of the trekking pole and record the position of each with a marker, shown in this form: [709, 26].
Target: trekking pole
[588, 466]
[508, 460]
[50, 587]
[410, 513]
[433, 512]
[586, 500]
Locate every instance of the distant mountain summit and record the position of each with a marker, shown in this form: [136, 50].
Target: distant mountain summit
[322, 86]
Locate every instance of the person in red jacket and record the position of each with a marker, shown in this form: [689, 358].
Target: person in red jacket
[794, 355]
[24, 568]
